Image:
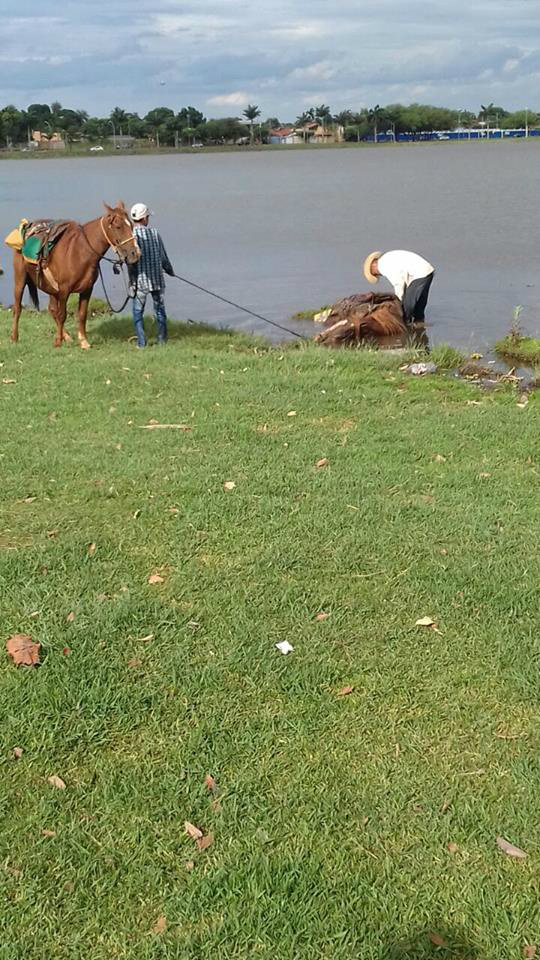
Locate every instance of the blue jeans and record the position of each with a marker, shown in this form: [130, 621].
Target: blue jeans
[160, 314]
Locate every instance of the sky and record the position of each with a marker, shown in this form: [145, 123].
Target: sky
[283, 55]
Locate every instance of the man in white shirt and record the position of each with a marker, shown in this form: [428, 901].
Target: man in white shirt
[410, 276]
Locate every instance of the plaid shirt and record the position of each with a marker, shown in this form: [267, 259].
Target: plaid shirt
[147, 273]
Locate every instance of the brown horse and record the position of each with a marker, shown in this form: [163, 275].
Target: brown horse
[74, 265]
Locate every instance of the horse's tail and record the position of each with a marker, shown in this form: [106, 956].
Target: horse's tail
[33, 291]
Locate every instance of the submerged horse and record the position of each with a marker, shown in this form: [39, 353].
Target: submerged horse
[73, 264]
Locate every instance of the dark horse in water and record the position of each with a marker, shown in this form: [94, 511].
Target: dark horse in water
[73, 265]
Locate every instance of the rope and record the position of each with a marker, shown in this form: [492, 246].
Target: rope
[129, 296]
[231, 303]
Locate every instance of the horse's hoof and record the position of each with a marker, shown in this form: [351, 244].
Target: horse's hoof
[57, 342]
[84, 344]
[67, 337]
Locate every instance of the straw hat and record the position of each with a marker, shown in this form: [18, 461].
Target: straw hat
[367, 266]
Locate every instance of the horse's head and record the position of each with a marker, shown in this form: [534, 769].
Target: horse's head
[118, 230]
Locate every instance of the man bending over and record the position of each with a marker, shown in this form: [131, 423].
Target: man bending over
[410, 276]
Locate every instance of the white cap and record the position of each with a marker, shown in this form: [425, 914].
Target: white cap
[139, 211]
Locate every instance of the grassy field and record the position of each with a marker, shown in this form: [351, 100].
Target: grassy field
[359, 826]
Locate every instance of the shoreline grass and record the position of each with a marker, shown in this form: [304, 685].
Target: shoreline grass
[355, 825]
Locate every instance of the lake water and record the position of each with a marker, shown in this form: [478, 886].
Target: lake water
[282, 231]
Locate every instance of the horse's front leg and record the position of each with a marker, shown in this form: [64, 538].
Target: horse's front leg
[84, 299]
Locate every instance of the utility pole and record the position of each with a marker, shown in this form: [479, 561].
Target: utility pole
[527, 122]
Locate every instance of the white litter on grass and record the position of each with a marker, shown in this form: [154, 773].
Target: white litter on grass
[284, 647]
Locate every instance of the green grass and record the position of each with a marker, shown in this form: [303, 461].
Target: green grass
[520, 348]
[335, 814]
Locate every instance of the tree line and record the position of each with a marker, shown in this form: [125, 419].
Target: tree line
[165, 127]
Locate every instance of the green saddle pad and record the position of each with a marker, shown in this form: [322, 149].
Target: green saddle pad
[31, 249]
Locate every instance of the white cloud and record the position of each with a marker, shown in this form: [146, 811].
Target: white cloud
[236, 99]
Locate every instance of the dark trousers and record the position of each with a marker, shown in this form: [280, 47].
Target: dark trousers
[415, 299]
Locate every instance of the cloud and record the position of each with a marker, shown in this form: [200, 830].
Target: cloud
[222, 54]
[236, 99]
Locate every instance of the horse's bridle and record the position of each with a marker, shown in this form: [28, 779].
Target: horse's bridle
[116, 246]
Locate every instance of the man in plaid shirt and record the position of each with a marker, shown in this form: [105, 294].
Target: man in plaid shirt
[146, 275]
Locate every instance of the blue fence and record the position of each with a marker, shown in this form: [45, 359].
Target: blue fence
[476, 134]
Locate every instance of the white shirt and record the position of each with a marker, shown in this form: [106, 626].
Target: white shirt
[401, 267]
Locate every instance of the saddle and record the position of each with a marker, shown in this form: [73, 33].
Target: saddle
[35, 241]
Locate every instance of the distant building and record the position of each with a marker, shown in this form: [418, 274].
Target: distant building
[284, 135]
[122, 141]
[48, 141]
[315, 132]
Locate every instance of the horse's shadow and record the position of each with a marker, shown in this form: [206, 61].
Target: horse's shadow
[438, 941]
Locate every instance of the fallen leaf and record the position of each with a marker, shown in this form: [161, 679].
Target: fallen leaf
[149, 636]
[160, 925]
[229, 485]
[437, 940]
[484, 476]
[425, 622]
[530, 951]
[324, 462]
[446, 806]
[345, 691]
[91, 549]
[52, 534]
[156, 578]
[189, 865]
[510, 850]
[285, 647]
[193, 624]
[210, 783]
[27, 500]
[48, 833]
[18, 752]
[322, 616]
[7, 381]
[192, 831]
[216, 805]
[204, 842]
[22, 650]
[439, 458]
[291, 413]
[134, 663]
[70, 617]
[56, 782]
[137, 514]
[453, 848]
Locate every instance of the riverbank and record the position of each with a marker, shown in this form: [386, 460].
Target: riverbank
[168, 516]
[76, 150]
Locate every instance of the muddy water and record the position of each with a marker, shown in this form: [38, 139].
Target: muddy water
[283, 231]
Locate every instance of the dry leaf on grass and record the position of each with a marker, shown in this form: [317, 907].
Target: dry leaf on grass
[453, 848]
[322, 616]
[345, 691]
[156, 578]
[323, 462]
[510, 850]
[134, 663]
[530, 951]
[210, 783]
[190, 865]
[56, 782]
[26, 500]
[291, 413]
[192, 831]
[18, 752]
[425, 622]
[160, 925]
[48, 833]
[7, 381]
[439, 458]
[204, 842]
[70, 617]
[446, 806]
[137, 514]
[229, 485]
[91, 549]
[437, 940]
[22, 650]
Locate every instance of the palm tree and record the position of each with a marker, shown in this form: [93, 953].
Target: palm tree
[374, 116]
[323, 114]
[119, 119]
[251, 113]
